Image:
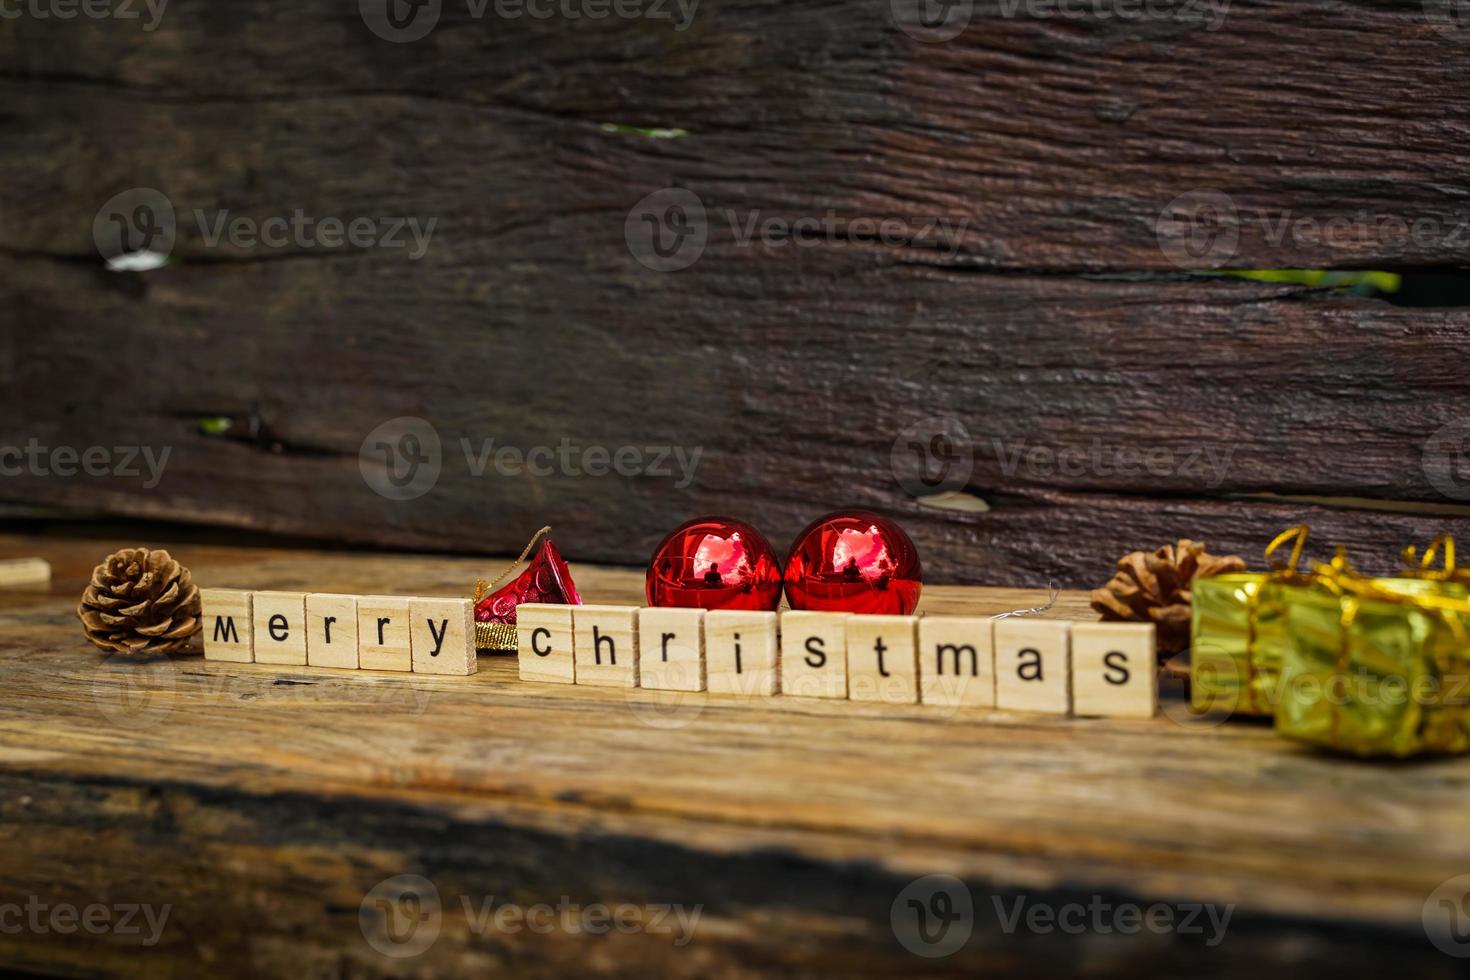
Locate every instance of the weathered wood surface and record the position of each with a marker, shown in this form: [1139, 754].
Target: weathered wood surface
[1060, 327]
[263, 804]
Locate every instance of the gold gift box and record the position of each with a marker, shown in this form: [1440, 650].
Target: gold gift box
[1237, 643]
[1377, 667]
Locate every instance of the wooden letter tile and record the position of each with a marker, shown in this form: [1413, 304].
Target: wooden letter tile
[382, 633]
[881, 659]
[671, 649]
[957, 661]
[814, 654]
[544, 632]
[1114, 670]
[606, 645]
[228, 626]
[280, 628]
[442, 632]
[740, 651]
[331, 630]
[1033, 666]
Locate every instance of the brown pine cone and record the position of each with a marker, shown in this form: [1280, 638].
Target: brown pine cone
[1154, 588]
[140, 602]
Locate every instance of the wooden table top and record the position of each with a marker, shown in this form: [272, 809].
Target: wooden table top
[263, 803]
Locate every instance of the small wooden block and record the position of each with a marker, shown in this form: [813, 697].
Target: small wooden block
[1033, 666]
[814, 654]
[881, 659]
[383, 641]
[544, 635]
[227, 625]
[1115, 670]
[740, 653]
[606, 640]
[957, 661]
[280, 628]
[331, 630]
[671, 649]
[24, 571]
[443, 636]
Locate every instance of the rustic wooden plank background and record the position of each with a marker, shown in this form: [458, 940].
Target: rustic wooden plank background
[261, 804]
[1058, 326]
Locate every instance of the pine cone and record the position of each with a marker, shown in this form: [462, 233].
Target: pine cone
[140, 602]
[1154, 588]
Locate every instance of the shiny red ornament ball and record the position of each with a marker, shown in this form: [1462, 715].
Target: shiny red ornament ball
[854, 562]
[715, 563]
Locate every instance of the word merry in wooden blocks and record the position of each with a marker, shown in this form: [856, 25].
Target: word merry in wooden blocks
[957, 661]
[741, 653]
[606, 641]
[544, 634]
[1032, 666]
[228, 626]
[442, 636]
[280, 628]
[383, 636]
[301, 629]
[882, 660]
[671, 649]
[331, 631]
[814, 654]
[1114, 670]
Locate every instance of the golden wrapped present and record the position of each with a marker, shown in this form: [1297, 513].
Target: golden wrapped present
[1238, 633]
[1378, 667]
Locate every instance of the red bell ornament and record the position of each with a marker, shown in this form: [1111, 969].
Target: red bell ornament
[546, 579]
[854, 562]
[715, 563]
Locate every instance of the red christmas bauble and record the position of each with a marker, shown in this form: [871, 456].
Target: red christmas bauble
[715, 563]
[855, 562]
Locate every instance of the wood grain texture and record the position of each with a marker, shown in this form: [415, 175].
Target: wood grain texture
[1108, 400]
[263, 803]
